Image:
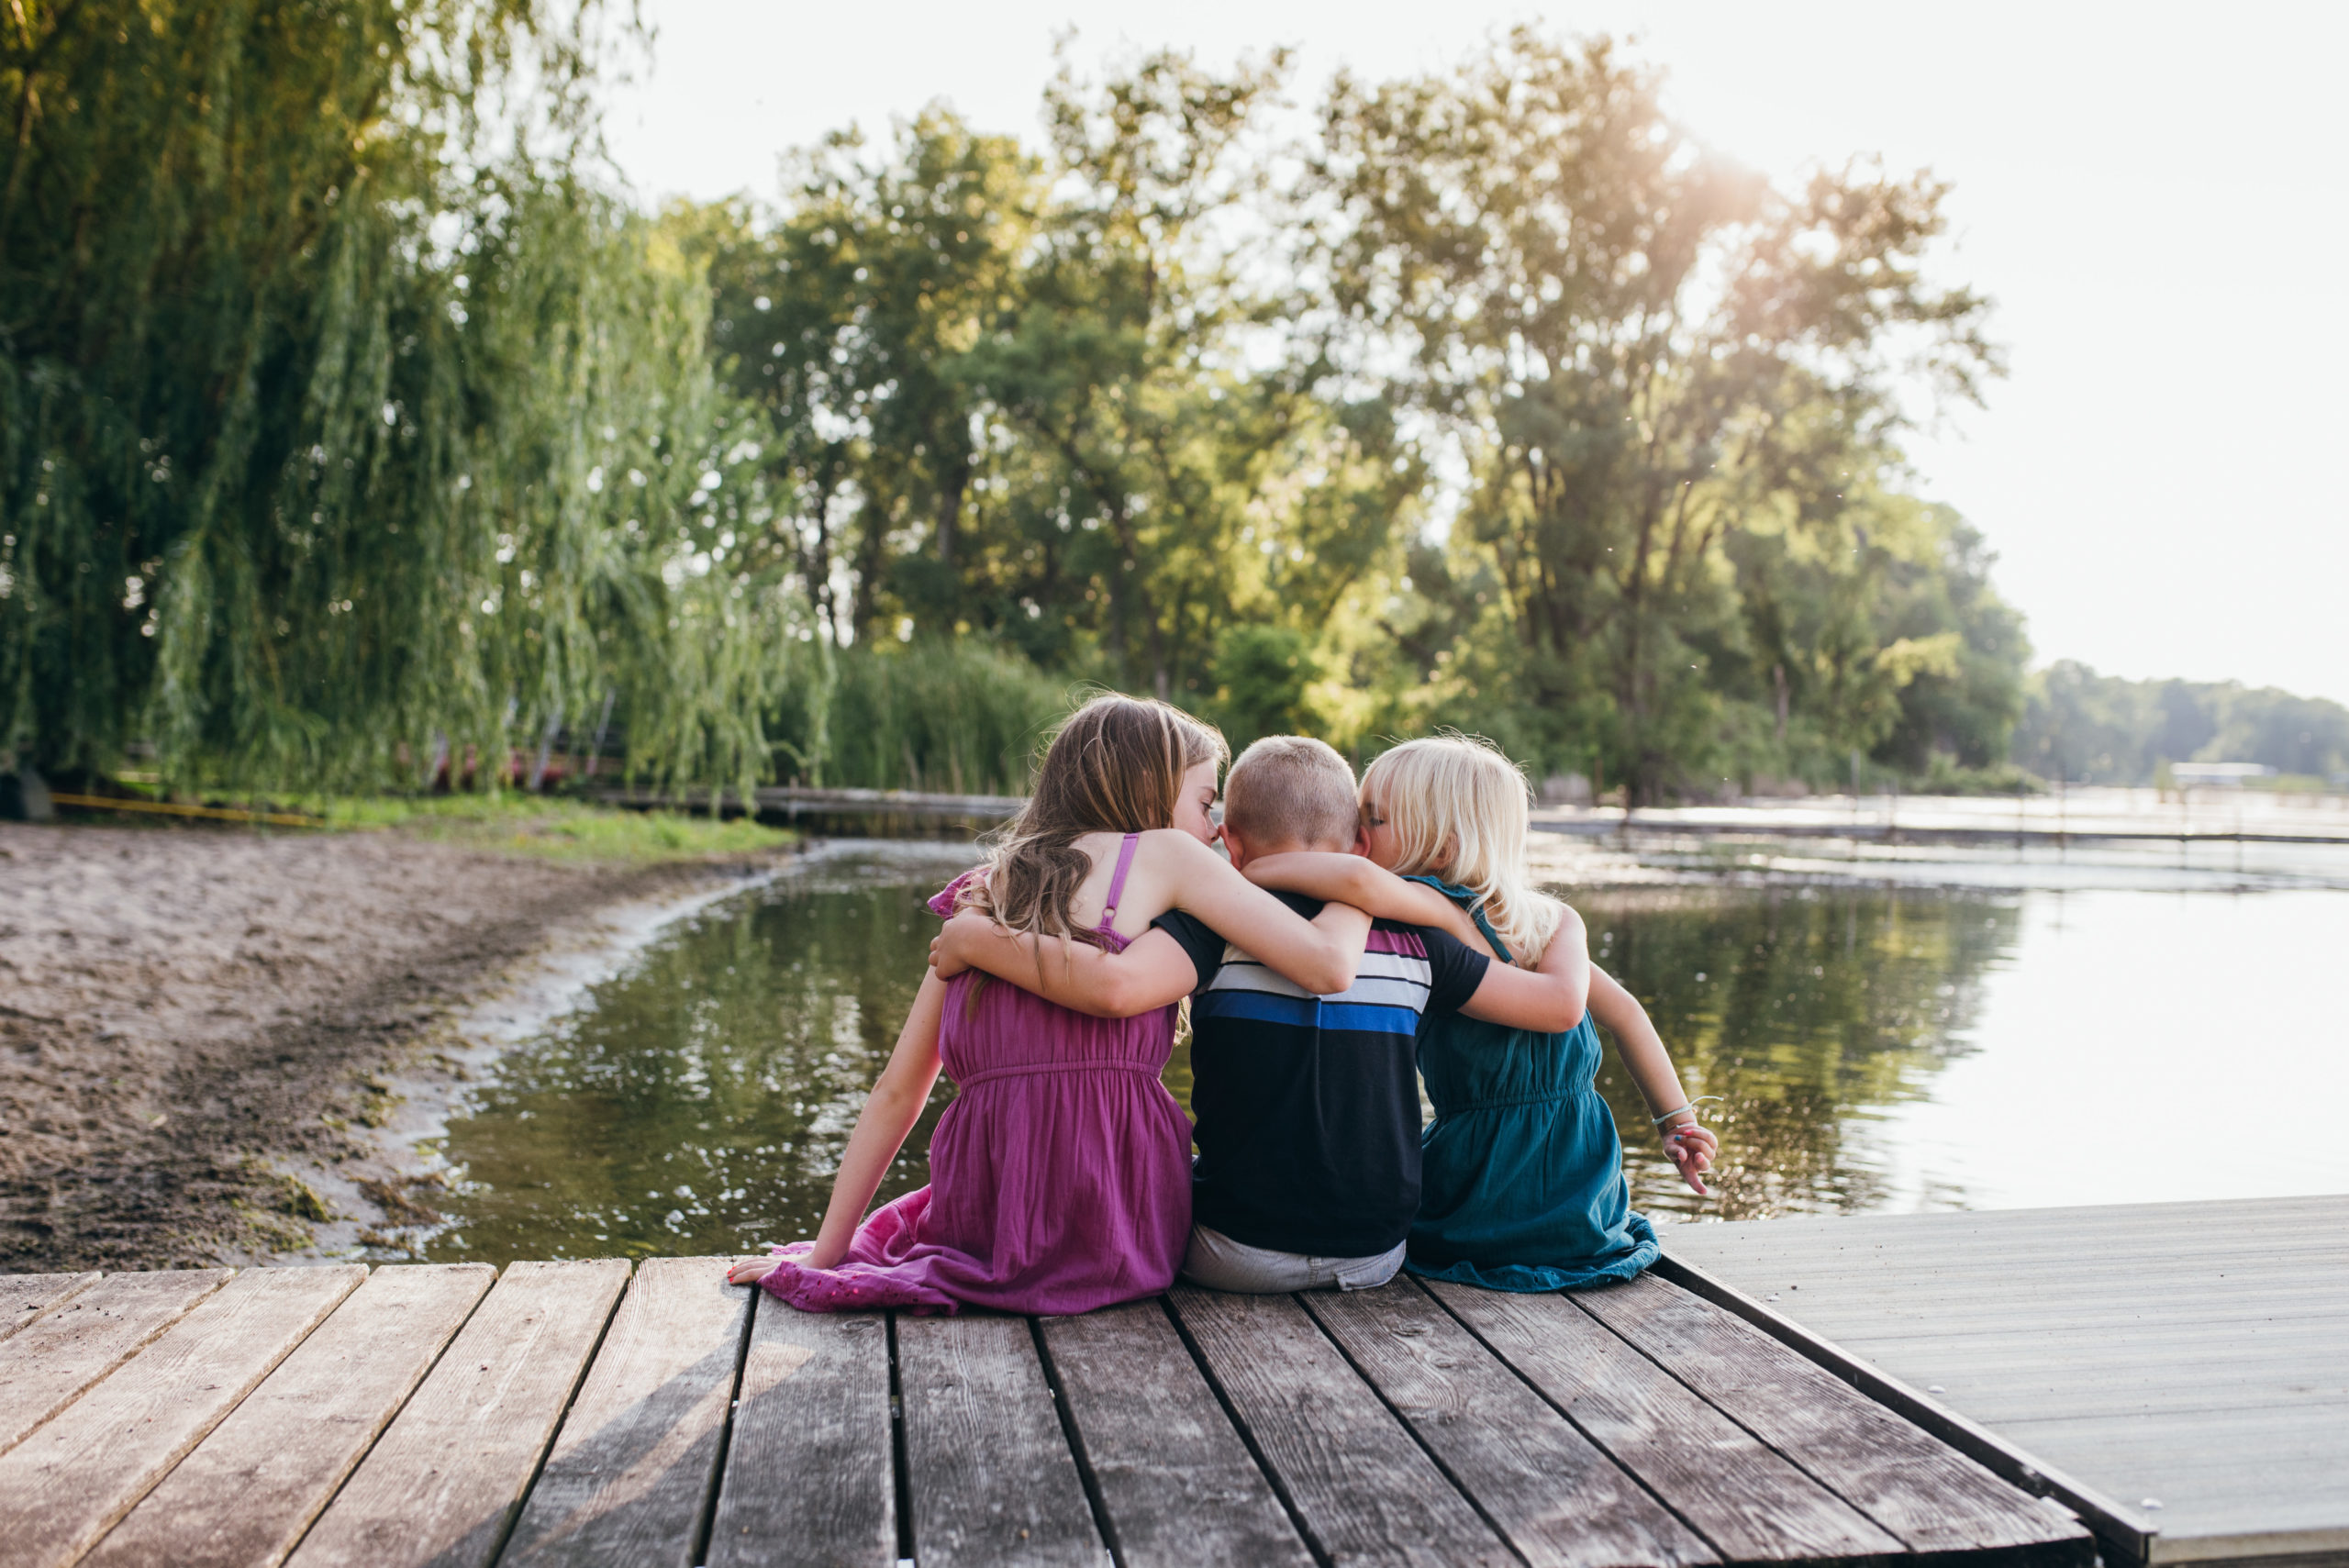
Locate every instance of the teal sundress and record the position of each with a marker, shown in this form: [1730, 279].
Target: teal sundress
[1521, 1185]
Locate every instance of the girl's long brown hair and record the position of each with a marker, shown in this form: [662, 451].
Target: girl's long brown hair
[1115, 766]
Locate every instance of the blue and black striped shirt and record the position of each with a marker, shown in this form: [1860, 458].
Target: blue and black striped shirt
[1309, 1106]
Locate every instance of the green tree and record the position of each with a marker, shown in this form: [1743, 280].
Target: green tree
[2092, 728]
[1643, 350]
[342, 418]
[1032, 398]
[848, 317]
[1110, 369]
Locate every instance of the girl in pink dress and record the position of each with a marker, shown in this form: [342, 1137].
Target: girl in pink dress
[1061, 1175]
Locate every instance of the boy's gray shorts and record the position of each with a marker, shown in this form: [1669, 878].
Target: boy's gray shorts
[1219, 1263]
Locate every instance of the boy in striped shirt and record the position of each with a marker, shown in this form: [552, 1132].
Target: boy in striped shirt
[1307, 1107]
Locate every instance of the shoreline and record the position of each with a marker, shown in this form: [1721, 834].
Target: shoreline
[399, 1167]
[206, 1034]
[404, 1169]
[225, 1046]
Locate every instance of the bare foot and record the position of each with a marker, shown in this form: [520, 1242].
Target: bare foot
[751, 1271]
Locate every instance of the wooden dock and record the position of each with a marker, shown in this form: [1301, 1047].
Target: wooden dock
[2177, 1373]
[578, 1413]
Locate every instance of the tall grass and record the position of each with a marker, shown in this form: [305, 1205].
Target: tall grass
[563, 830]
[961, 718]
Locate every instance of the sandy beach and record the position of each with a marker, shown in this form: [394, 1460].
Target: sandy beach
[187, 1013]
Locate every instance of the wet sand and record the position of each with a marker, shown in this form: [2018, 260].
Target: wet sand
[189, 1014]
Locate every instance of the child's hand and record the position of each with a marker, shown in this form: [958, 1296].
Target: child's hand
[948, 951]
[751, 1271]
[1692, 1148]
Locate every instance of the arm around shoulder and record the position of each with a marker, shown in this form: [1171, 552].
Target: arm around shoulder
[1357, 880]
[1152, 972]
[1319, 956]
[1551, 997]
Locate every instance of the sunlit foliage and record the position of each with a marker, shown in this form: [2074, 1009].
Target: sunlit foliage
[346, 424]
[1166, 402]
[1032, 396]
[1676, 388]
[351, 425]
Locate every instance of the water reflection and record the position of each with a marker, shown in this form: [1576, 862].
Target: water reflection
[701, 1102]
[1811, 1011]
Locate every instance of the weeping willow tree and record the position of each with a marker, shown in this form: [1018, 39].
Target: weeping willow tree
[346, 420]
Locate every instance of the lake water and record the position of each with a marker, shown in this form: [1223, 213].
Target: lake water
[1881, 1040]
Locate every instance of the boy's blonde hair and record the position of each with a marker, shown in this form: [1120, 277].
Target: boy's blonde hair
[1456, 795]
[1292, 790]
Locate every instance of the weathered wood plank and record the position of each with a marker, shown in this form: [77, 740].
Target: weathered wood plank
[1931, 1496]
[2125, 1530]
[2237, 1216]
[629, 1474]
[2126, 1377]
[2028, 1244]
[1747, 1501]
[1364, 1489]
[989, 1471]
[2224, 1475]
[814, 1402]
[44, 1367]
[442, 1484]
[64, 1486]
[2186, 1340]
[2163, 1286]
[1561, 1502]
[23, 1297]
[2115, 1351]
[1175, 1480]
[249, 1490]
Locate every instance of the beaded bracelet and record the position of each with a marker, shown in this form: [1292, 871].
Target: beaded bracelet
[1691, 1108]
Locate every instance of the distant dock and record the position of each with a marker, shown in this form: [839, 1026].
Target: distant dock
[584, 1413]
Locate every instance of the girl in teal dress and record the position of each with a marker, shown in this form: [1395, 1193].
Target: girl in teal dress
[1522, 1183]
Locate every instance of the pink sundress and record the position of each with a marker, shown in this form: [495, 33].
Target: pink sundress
[1060, 1178]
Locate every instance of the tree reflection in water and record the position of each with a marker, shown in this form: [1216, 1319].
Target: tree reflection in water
[700, 1102]
[1810, 1010]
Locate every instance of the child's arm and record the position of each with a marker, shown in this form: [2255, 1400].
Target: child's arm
[1548, 999]
[1152, 972]
[890, 1114]
[1692, 1147]
[1320, 955]
[1367, 885]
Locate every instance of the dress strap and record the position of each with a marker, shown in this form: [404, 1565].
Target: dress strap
[1467, 899]
[1118, 879]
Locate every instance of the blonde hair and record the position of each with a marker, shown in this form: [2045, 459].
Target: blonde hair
[1459, 809]
[1292, 790]
[1115, 766]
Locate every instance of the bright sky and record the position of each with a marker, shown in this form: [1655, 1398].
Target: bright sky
[2153, 194]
